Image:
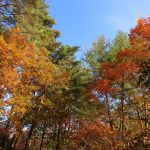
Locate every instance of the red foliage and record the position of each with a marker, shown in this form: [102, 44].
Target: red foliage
[93, 135]
[104, 86]
[142, 30]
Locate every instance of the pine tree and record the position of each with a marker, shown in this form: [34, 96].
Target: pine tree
[36, 21]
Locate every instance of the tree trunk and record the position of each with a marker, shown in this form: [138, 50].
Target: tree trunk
[14, 145]
[122, 115]
[108, 113]
[140, 120]
[42, 139]
[58, 139]
[10, 145]
[29, 136]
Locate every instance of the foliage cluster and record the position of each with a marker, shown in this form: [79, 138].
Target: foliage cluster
[50, 100]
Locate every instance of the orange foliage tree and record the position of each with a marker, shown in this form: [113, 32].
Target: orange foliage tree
[26, 77]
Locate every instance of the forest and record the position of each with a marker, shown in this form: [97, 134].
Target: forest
[50, 100]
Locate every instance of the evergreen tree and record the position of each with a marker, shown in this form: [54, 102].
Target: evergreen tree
[103, 50]
[119, 43]
[74, 102]
[36, 21]
[32, 17]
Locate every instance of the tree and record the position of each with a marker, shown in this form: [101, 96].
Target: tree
[71, 102]
[92, 135]
[139, 38]
[103, 50]
[118, 87]
[23, 78]
[119, 43]
[97, 54]
[33, 19]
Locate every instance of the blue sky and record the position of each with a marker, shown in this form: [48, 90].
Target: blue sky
[82, 21]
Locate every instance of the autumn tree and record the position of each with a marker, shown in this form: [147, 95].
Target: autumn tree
[49, 97]
[92, 135]
[71, 102]
[23, 78]
[119, 82]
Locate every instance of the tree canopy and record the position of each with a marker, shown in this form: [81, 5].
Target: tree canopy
[50, 100]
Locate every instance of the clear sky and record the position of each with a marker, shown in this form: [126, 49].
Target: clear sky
[82, 21]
